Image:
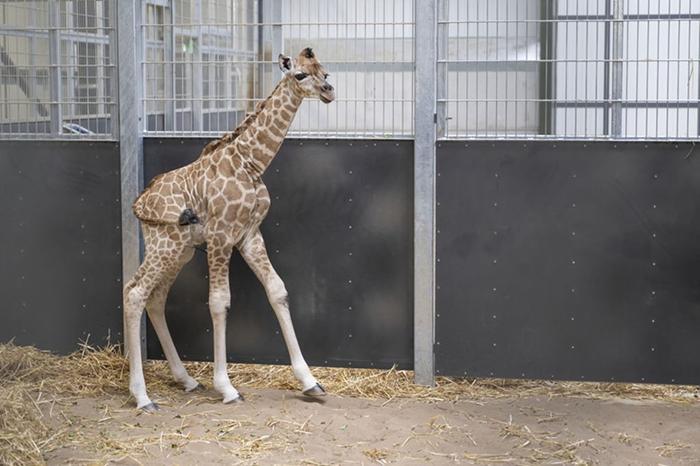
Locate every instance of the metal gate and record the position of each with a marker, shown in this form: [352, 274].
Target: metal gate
[558, 256]
[528, 120]
[59, 174]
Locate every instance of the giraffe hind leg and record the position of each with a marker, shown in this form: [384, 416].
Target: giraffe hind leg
[164, 248]
[136, 293]
[155, 308]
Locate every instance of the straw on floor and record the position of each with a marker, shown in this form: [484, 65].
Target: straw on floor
[33, 382]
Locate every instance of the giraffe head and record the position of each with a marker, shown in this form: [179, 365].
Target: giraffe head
[309, 78]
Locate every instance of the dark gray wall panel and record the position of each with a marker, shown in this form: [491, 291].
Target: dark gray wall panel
[339, 232]
[61, 244]
[569, 260]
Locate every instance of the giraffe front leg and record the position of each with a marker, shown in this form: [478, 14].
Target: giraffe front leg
[254, 253]
[219, 303]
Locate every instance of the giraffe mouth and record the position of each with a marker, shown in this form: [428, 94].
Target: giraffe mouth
[327, 98]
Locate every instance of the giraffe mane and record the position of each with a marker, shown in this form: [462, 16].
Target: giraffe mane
[228, 138]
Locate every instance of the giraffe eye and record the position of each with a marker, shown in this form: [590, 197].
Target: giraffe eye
[300, 76]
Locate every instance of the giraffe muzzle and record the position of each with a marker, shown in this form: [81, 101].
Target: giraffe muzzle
[327, 97]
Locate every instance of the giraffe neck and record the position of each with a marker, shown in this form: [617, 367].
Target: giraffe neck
[259, 143]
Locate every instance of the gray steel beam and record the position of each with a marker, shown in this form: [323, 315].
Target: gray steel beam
[130, 139]
[197, 70]
[55, 69]
[424, 190]
[606, 68]
[546, 67]
[113, 71]
[271, 44]
[442, 67]
[169, 75]
[617, 68]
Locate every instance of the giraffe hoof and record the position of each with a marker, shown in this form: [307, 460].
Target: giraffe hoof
[197, 388]
[316, 390]
[150, 408]
[237, 399]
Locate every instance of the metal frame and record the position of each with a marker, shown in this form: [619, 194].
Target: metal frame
[55, 63]
[52, 32]
[424, 191]
[617, 69]
[131, 143]
[431, 66]
[592, 79]
[376, 76]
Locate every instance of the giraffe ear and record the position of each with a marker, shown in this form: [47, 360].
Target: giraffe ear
[286, 63]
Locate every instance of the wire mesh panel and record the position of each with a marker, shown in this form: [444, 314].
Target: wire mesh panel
[569, 69]
[207, 63]
[57, 69]
[367, 47]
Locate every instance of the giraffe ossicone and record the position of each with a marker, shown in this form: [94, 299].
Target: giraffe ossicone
[219, 199]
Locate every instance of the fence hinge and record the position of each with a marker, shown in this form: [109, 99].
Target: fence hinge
[435, 118]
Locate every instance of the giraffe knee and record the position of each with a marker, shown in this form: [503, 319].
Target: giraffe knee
[277, 292]
[134, 301]
[219, 302]
[155, 304]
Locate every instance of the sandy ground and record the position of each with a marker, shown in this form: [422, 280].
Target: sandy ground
[283, 427]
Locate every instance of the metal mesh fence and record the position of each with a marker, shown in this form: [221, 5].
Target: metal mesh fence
[569, 69]
[561, 69]
[207, 62]
[57, 69]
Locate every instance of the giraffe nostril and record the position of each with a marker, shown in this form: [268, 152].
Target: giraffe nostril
[327, 87]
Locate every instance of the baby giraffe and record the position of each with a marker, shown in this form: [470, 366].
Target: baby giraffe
[219, 199]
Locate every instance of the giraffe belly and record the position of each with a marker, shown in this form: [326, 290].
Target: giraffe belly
[262, 205]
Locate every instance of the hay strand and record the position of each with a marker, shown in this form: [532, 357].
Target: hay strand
[35, 384]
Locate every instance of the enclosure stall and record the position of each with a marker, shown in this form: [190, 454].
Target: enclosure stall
[502, 188]
[61, 270]
[565, 180]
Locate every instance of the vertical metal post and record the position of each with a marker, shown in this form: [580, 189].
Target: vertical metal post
[424, 190]
[271, 43]
[130, 136]
[617, 57]
[55, 69]
[606, 70]
[442, 64]
[169, 68]
[113, 78]
[197, 68]
[546, 67]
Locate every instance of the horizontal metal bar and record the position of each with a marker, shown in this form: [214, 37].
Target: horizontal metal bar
[331, 134]
[63, 65]
[536, 61]
[491, 65]
[69, 30]
[253, 99]
[630, 104]
[524, 137]
[65, 36]
[576, 19]
[284, 24]
[53, 137]
[569, 102]
[632, 17]
[62, 101]
[326, 64]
